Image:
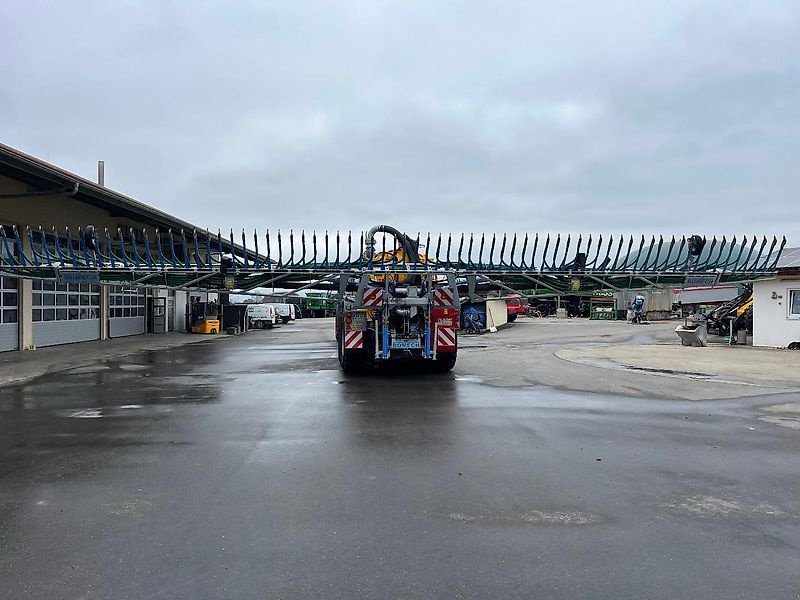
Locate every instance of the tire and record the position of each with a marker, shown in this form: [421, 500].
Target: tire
[512, 318]
[353, 362]
[285, 320]
[258, 324]
[445, 362]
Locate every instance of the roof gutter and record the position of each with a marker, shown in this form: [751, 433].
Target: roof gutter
[59, 192]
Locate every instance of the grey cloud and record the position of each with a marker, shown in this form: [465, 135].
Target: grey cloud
[516, 116]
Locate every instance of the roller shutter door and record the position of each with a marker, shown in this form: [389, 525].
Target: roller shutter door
[9, 314]
[9, 336]
[65, 313]
[53, 333]
[9, 303]
[126, 311]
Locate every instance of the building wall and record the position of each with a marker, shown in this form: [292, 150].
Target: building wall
[772, 325]
[62, 210]
[58, 210]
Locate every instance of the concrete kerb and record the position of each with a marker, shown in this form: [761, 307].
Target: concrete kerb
[739, 365]
[23, 367]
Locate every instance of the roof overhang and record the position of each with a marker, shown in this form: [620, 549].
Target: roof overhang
[45, 177]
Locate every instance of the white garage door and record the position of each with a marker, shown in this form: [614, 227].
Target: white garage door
[9, 314]
[64, 313]
[126, 311]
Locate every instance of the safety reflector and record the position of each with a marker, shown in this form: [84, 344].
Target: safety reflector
[443, 296]
[353, 340]
[445, 337]
[373, 296]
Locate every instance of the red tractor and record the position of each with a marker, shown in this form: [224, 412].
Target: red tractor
[515, 305]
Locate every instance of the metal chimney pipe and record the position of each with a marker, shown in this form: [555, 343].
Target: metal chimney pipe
[101, 173]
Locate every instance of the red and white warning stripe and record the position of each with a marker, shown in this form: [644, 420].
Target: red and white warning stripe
[445, 337]
[353, 340]
[372, 296]
[443, 296]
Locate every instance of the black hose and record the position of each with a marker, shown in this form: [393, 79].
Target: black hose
[409, 246]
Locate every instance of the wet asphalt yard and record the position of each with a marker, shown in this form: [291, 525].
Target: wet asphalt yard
[252, 468]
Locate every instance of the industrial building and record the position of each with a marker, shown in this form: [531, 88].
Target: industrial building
[37, 313]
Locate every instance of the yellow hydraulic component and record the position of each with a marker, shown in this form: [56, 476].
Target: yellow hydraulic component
[741, 310]
[206, 326]
[398, 256]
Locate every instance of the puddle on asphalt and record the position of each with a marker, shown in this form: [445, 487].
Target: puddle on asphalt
[87, 413]
[642, 340]
[469, 378]
[712, 506]
[108, 411]
[531, 517]
[89, 370]
[309, 347]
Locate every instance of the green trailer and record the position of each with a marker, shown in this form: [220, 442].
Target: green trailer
[319, 304]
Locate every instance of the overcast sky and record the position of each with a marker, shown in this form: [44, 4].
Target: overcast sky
[680, 117]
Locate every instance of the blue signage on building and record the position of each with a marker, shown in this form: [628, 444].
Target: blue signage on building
[90, 277]
[700, 280]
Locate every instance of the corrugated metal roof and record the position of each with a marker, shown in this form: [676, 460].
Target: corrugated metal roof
[790, 259]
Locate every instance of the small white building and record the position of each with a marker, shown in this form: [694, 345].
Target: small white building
[776, 304]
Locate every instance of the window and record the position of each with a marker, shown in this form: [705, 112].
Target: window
[126, 302]
[794, 304]
[61, 302]
[8, 300]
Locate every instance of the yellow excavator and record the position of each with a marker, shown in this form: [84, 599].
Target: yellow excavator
[738, 311]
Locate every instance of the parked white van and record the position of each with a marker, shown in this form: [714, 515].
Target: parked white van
[285, 312]
[262, 315]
